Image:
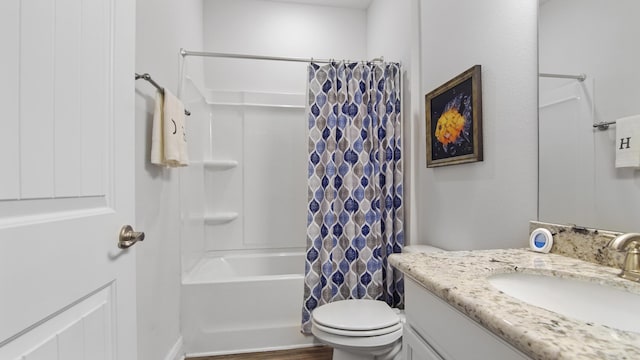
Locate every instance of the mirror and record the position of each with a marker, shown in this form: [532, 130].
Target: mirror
[578, 181]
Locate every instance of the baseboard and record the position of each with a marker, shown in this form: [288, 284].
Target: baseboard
[254, 350]
[177, 351]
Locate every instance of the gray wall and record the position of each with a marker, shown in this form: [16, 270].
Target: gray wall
[162, 27]
[484, 204]
[479, 205]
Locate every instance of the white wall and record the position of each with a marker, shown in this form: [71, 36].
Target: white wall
[273, 28]
[162, 28]
[599, 39]
[284, 29]
[484, 204]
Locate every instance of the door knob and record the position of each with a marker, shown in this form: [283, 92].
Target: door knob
[128, 237]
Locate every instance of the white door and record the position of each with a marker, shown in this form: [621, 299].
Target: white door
[66, 179]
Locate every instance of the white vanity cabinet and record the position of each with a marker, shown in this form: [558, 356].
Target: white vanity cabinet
[436, 331]
[415, 348]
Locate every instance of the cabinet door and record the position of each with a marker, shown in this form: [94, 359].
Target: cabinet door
[415, 348]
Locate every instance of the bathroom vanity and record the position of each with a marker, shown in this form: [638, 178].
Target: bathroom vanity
[435, 330]
[454, 312]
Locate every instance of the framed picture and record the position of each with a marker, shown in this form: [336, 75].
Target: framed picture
[454, 120]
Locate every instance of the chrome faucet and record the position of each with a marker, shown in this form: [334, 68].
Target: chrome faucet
[631, 243]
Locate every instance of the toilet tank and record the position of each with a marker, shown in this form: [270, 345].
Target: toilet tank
[420, 248]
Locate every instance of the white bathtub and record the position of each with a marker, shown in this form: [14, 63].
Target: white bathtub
[243, 303]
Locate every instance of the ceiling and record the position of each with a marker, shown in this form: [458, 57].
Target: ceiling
[355, 4]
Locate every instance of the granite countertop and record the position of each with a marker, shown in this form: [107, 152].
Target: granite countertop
[459, 278]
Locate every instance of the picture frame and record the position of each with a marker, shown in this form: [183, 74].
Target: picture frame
[453, 114]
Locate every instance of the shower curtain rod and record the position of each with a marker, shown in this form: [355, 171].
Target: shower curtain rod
[581, 77]
[186, 53]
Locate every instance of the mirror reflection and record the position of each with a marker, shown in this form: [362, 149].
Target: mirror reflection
[578, 179]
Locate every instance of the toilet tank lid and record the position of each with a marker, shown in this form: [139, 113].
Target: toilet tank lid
[356, 314]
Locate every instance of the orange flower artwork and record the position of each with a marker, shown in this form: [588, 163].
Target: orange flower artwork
[449, 126]
[454, 120]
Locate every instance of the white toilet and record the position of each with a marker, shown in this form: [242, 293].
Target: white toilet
[362, 329]
[359, 329]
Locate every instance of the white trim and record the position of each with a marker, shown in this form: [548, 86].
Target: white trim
[177, 351]
[415, 117]
[314, 343]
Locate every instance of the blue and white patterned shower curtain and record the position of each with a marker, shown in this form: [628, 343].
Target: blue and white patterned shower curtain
[355, 209]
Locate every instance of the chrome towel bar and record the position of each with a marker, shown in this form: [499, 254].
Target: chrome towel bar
[603, 125]
[148, 78]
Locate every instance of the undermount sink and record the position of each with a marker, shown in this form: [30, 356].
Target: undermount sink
[582, 300]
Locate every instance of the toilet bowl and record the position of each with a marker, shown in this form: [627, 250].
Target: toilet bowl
[359, 329]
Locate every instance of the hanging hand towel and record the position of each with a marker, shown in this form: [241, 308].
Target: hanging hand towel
[628, 142]
[157, 152]
[169, 139]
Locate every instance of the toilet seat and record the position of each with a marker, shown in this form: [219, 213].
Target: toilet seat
[356, 318]
[359, 329]
[359, 333]
[372, 343]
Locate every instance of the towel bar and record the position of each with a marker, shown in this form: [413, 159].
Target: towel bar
[580, 77]
[603, 125]
[148, 78]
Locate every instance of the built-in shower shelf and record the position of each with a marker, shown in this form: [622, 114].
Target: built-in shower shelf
[220, 164]
[220, 218]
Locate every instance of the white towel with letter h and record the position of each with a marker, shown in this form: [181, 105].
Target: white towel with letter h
[628, 142]
[169, 138]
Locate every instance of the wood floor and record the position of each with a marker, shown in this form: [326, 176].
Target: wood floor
[312, 353]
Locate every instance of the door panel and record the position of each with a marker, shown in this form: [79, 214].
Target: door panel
[82, 331]
[9, 142]
[67, 188]
[35, 52]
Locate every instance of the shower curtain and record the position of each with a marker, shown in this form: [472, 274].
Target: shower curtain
[355, 208]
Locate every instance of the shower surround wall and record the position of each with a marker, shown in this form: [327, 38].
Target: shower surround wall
[244, 197]
[260, 28]
[255, 171]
